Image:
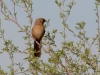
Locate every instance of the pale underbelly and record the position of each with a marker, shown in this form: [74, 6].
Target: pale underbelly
[38, 34]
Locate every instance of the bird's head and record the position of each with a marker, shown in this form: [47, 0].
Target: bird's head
[40, 21]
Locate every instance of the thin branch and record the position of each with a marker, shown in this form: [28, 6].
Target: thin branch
[21, 65]
[7, 9]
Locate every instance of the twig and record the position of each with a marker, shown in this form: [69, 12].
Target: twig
[21, 65]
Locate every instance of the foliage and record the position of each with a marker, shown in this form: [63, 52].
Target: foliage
[80, 64]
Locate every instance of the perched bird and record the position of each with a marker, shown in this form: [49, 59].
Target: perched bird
[38, 32]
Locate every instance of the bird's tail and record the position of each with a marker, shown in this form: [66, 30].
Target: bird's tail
[37, 48]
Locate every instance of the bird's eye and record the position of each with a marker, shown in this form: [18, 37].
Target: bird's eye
[44, 20]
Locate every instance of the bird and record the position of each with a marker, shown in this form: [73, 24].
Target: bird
[38, 32]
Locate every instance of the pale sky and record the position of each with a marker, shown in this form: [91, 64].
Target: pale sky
[83, 10]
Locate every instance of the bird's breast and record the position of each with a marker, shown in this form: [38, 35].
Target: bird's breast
[38, 32]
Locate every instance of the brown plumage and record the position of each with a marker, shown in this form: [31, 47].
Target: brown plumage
[38, 32]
